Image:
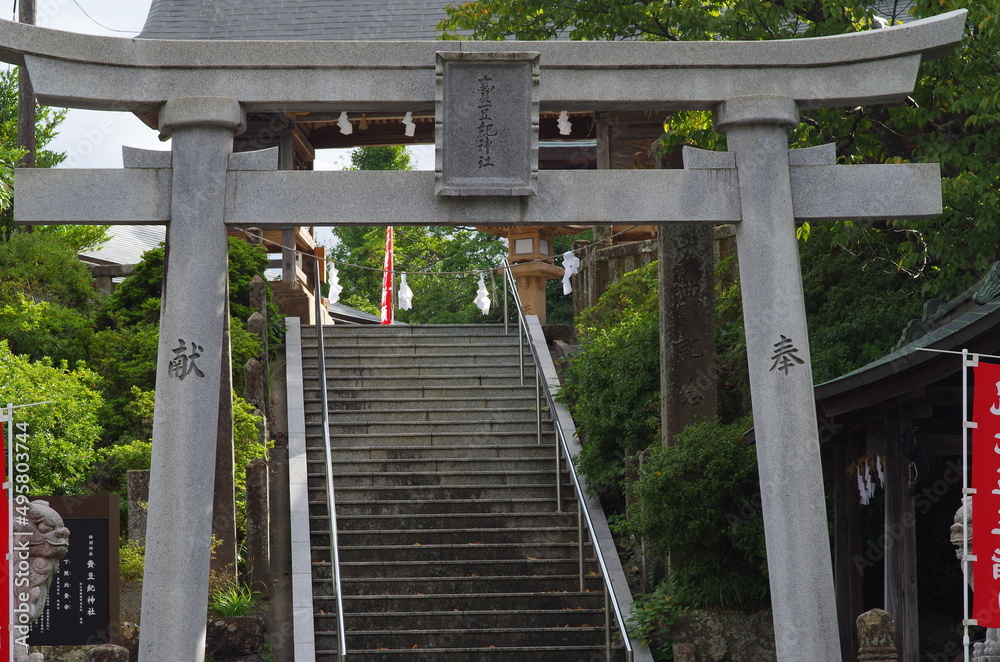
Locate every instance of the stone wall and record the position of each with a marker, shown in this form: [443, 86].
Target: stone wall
[727, 636]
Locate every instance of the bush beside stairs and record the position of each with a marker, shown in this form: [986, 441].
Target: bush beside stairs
[450, 544]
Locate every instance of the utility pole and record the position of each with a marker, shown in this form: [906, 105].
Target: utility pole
[26, 97]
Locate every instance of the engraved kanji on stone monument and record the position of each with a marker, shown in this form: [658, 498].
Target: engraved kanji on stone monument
[183, 362]
[487, 123]
[785, 355]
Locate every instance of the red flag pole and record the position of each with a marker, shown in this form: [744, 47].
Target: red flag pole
[387, 279]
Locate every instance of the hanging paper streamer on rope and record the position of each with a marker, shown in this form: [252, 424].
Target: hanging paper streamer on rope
[986, 498]
[387, 279]
[405, 294]
[483, 297]
[565, 126]
[344, 124]
[571, 266]
[333, 280]
[870, 476]
[411, 127]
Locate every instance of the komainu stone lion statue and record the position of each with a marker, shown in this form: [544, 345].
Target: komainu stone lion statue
[40, 540]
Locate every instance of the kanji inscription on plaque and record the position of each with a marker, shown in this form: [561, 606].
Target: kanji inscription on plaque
[487, 123]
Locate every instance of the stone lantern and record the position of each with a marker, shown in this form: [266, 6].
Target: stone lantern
[529, 251]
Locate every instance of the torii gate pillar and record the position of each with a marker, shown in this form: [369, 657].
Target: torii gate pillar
[192, 319]
[774, 318]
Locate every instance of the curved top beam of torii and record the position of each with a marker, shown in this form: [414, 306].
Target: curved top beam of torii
[107, 73]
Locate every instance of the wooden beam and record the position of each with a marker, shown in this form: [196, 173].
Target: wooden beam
[848, 576]
[900, 543]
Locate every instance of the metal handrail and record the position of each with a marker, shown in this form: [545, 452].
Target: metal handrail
[330, 501]
[582, 512]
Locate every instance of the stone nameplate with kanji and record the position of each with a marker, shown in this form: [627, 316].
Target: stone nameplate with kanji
[487, 123]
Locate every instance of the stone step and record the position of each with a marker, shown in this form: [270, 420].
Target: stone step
[472, 425]
[479, 347]
[431, 465]
[404, 330]
[430, 440]
[540, 653]
[467, 552]
[449, 536]
[443, 506]
[393, 602]
[449, 521]
[484, 451]
[500, 379]
[394, 392]
[470, 584]
[449, 620]
[520, 637]
[362, 401]
[496, 412]
[434, 479]
[450, 544]
[315, 440]
[407, 365]
[391, 361]
[463, 492]
[454, 569]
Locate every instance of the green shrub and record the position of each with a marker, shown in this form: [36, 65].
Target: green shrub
[62, 433]
[651, 617]
[44, 267]
[613, 382]
[698, 501]
[234, 599]
[43, 329]
[131, 561]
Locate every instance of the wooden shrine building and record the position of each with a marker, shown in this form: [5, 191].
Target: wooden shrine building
[906, 410]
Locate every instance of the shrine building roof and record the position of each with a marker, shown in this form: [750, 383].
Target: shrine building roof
[294, 20]
[323, 20]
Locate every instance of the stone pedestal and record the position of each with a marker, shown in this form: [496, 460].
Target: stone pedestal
[876, 637]
[188, 381]
[138, 503]
[989, 650]
[791, 478]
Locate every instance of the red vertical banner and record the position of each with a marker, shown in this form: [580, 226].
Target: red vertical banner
[5, 604]
[387, 279]
[986, 500]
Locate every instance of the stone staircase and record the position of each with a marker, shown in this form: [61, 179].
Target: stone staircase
[450, 544]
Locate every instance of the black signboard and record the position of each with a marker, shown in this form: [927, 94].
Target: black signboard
[82, 604]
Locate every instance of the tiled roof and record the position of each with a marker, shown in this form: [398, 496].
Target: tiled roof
[127, 244]
[326, 19]
[294, 19]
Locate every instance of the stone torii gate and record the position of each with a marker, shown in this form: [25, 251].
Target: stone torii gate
[203, 90]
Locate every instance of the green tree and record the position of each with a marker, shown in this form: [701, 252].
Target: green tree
[953, 116]
[63, 432]
[46, 297]
[422, 252]
[124, 348]
[613, 382]
[46, 123]
[699, 501]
